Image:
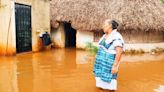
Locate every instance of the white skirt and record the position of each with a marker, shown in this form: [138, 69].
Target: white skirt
[106, 85]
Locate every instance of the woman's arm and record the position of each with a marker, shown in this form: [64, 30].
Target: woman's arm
[117, 60]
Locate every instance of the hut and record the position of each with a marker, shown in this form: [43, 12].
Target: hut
[21, 21]
[141, 21]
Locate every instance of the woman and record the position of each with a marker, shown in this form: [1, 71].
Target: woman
[111, 46]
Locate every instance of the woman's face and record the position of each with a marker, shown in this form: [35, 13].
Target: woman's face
[107, 27]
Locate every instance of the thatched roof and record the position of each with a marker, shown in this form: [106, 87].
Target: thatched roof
[90, 14]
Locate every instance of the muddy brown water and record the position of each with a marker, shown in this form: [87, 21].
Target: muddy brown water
[70, 70]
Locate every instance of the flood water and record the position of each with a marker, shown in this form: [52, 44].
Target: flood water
[70, 70]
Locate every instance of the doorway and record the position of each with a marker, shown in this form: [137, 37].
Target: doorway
[23, 28]
[70, 34]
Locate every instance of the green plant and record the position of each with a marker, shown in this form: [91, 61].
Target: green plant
[46, 0]
[157, 50]
[133, 51]
[162, 1]
[91, 48]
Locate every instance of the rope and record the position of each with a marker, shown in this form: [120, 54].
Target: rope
[8, 33]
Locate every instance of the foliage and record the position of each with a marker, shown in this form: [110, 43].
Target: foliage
[132, 51]
[162, 1]
[157, 50]
[91, 48]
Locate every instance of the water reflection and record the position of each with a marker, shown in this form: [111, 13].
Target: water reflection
[159, 89]
[70, 70]
[141, 76]
[8, 75]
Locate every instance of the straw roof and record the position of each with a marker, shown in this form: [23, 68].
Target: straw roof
[89, 14]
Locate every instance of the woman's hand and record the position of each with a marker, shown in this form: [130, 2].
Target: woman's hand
[117, 60]
[114, 69]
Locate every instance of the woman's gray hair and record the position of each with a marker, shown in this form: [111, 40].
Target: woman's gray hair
[113, 23]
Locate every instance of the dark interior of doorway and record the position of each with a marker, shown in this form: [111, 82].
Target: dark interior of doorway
[70, 34]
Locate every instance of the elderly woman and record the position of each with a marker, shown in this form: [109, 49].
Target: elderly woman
[106, 65]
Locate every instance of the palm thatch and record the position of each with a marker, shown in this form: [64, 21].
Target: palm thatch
[133, 15]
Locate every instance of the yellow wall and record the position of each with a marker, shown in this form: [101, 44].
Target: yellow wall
[7, 27]
[58, 37]
[40, 22]
[82, 38]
